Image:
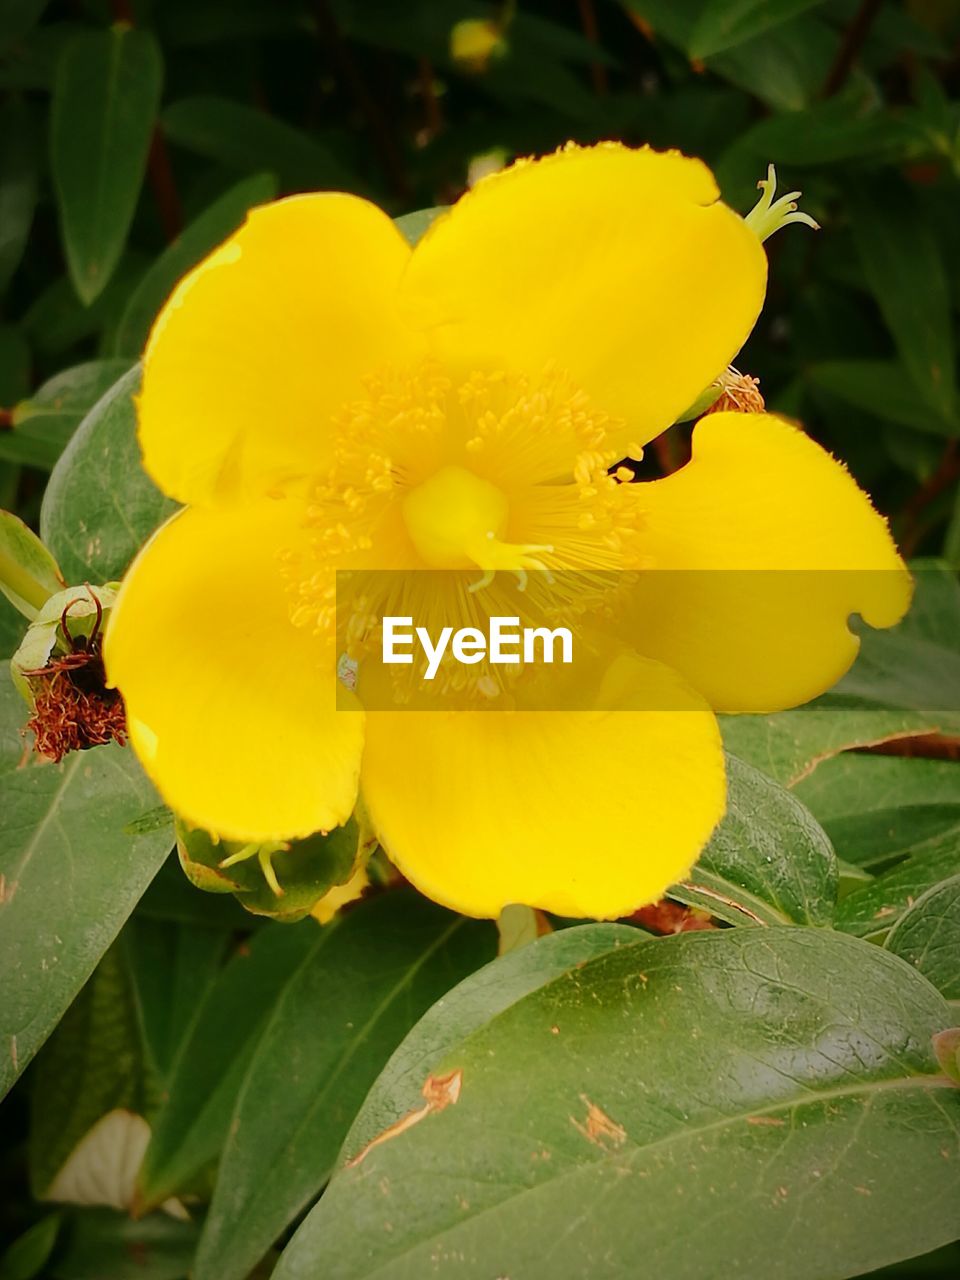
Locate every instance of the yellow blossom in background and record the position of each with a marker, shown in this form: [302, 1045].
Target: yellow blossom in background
[321, 396]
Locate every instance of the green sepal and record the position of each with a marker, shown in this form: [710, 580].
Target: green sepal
[709, 396]
[28, 572]
[306, 869]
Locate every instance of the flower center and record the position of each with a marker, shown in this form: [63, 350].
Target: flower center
[455, 518]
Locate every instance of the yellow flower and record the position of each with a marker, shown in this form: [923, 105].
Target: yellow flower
[319, 395]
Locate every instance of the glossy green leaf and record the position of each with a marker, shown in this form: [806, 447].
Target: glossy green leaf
[91, 1064]
[18, 184]
[100, 505]
[210, 229]
[768, 862]
[43, 424]
[724, 24]
[927, 936]
[191, 1127]
[877, 808]
[105, 101]
[871, 912]
[366, 980]
[70, 876]
[904, 268]
[669, 1101]
[249, 140]
[29, 574]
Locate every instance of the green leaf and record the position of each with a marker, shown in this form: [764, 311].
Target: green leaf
[670, 1101]
[882, 388]
[105, 101]
[18, 16]
[191, 1126]
[412, 226]
[43, 424]
[91, 1064]
[18, 184]
[249, 140]
[28, 1254]
[724, 24]
[103, 1243]
[872, 911]
[927, 936]
[210, 229]
[69, 876]
[905, 271]
[14, 365]
[768, 862]
[789, 745]
[29, 575]
[366, 980]
[877, 808]
[171, 968]
[100, 505]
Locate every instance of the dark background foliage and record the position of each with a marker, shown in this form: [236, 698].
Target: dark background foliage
[133, 135]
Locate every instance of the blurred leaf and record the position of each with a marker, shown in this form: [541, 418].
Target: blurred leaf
[91, 1064]
[768, 862]
[904, 268]
[882, 388]
[14, 366]
[621, 1108]
[249, 140]
[18, 184]
[43, 424]
[102, 1243]
[364, 983]
[724, 24]
[413, 226]
[927, 936]
[191, 1127]
[104, 104]
[70, 877]
[876, 808]
[784, 67]
[28, 1254]
[201, 237]
[57, 320]
[100, 505]
[18, 16]
[171, 968]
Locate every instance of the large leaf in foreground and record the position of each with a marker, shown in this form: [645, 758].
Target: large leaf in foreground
[364, 983]
[100, 505]
[768, 862]
[765, 1097]
[69, 873]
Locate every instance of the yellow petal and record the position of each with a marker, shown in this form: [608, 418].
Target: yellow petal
[230, 707]
[620, 266]
[267, 337]
[761, 548]
[589, 813]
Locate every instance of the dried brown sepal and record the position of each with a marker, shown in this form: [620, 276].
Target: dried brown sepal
[73, 708]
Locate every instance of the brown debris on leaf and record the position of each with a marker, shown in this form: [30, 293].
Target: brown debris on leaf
[440, 1092]
[666, 917]
[73, 708]
[598, 1128]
